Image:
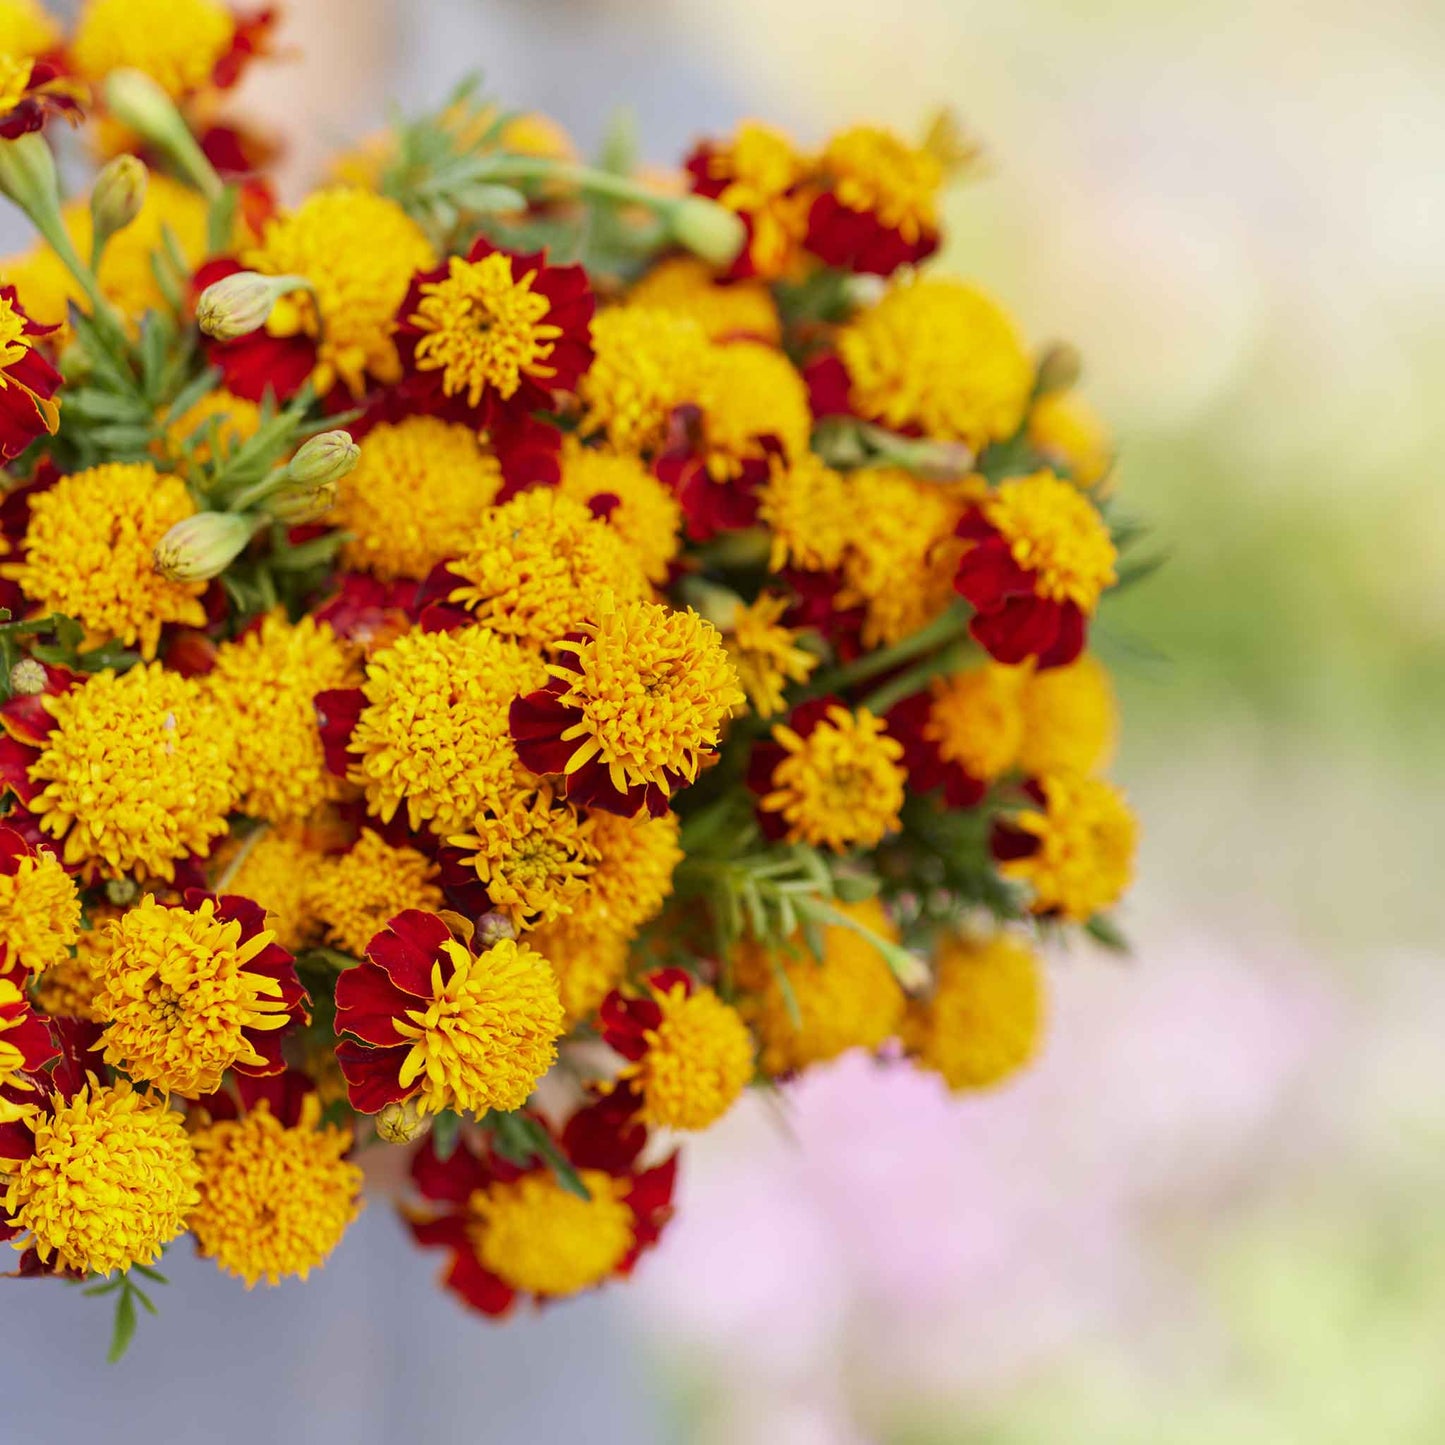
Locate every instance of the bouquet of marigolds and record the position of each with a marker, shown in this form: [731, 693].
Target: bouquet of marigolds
[500, 657]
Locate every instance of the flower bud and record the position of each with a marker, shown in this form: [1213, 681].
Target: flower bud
[118, 194]
[27, 678]
[1059, 368]
[122, 892]
[401, 1123]
[239, 304]
[295, 506]
[493, 928]
[202, 547]
[709, 230]
[324, 459]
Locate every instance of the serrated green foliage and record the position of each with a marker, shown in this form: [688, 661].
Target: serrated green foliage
[520, 1139]
[127, 1294]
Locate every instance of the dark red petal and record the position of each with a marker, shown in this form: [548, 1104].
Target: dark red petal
[1070, 640]
[478, 1287]
[447, 1181]
[537, 722]
[987, 575]
[372, 1076]
[368, 1005]
[1022, 627]
[407, 947]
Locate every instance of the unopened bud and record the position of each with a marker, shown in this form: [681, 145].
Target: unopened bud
[709, 230]
[202, 547]
[1059, 368]
[326, 458]
[118, 195]
[240, 303]
[295, 506]
[121, 892]
[401, 1123]
[27, 678]
[493, 928]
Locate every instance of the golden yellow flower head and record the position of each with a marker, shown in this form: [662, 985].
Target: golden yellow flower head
[535, 1236]
[537, 567]
[275, 1201]
[941, 356]
[15, 1060]
[840, 785]
[139, 1178]
[27, 29]
[643, 512]
[488, 1033]
[414, 496]
[976, 719]
[646, 363]
[766, 653]
[434, 735]
[633, 875]
[726, 311]
[215, 424]
[588, 957]
[39, 912]
[89, 553]
[984, 1018]
[698, 1060]
[873, 170]
[136, 773]
[358, 251]
[178, 996]
[751, 392]
[265, 683]
[760, 175]
[69, 989]
[1070, 719]
[279, 872]
[811, 512]
[175, 42]
[1065, 429]
[353, 894]
[1087, 836]
[848, 1000]
[1055, 532]
[654, 688]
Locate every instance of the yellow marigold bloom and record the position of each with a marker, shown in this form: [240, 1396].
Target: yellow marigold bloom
[985, 1017]
[359, 252]
[137, 772]
[27, 30]
[69, 989]
[1070, 719]
[811, 512]
[435, 734]
[218, 417]
[976, 719]
[1068, 431]
[874, 170]
[279, 872]
[111, 1182]
[534, 856]
[39, 913]
[274, 1201]
[177, 996]
[535, 1236]
[354, 894]
[1086, 840]
[752, 391]
[633, 875]
[765, 653]
[849, 1000]
[265, 682]
[646, 363]
[942, 356]
[537, 566]
[175, 42]
[588, 957]
[761, 173]
[724, 310]
[15, 1060]
[698, 1059]
[841, 784]
[1057, 534]
[653, 687]
[489, 1032]
[88, 554]
[412, 499]
[645, 515]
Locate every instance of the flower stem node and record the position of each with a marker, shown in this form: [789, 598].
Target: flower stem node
[119, 193]
[710, 231]
[203, 546]
[241, 303]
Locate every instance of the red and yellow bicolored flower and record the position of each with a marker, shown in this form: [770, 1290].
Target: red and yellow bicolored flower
[28, 382]
[31, 91]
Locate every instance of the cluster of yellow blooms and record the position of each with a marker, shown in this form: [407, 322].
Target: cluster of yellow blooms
[677, 670]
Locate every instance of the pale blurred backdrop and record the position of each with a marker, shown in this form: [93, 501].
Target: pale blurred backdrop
[1212, 1212]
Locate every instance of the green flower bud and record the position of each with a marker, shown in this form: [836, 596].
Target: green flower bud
[709, 230]
[298, 505]
[239, 304]
[1059, 368]
[327, 457]
[118, 194]
[202, 547]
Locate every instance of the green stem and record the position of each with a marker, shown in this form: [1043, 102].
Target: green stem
[949, 658]
[586, 178]
[950, 626]
[906, 967]
[247, 497]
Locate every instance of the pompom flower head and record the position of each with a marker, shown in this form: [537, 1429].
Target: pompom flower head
[353, 894]
[39, 907]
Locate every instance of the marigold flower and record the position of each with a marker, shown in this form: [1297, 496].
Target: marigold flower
[190, 991]
[831, 777]
[633, 709]
[941, 357]
[588, 956]
[1075, 850]
[358, 251]
[31, 91]
[616, 487]
[27, 29]
[139, 1173]
[759, 175]
[26, 1046]
[178, 43]
[413, 497]
[689, 1055]
[39, 908]
[353, 894]
[1068, 433]
[1070, 719]
[984, 1019]
[537, 567]
[275, 1196]
[752, 393]
[265, 682]
[28, 382]
[811, 513]
[806, 1011]
[69, 988]
[89, 553]
[135, 772]
[433, 1021]
[213, 426]
[1041, 558]
[279, 871]
[726, 310]
[765, 653]
[633, 874]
